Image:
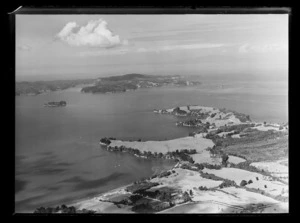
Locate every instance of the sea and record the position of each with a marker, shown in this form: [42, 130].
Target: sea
[58, 158]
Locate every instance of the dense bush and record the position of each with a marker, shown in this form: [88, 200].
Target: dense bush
[225, 158]
[164, 174]
[135, 188]
[211, 166]
[227, 183]
[243, 183]
[199, 166]
[246, 166]
[237, 155]
[135, 197]
[62, 209]
[183, 155]
[164, 196]
[105, 141]
[203, 188]
[186, 197]
[211, 176]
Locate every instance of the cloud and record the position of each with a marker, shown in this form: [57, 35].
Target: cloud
[102, 53]
[24, 47]
[94, 34]
[244, 48]
[180, 47]
[262, 48]
[157, 49]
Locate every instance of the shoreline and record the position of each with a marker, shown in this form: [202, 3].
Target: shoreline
[111, 191]
[187, 170]
[76, 203]
[80, 200]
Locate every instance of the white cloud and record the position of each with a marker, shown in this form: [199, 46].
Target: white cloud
[24, 47]
[124, 50]
[67, 30]
[180, 47]
[94, 34]
[244, 48]
[102, 53]
[262, 48]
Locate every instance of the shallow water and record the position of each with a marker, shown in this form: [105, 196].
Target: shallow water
[58, 158]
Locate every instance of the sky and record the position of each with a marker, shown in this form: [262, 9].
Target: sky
[88, 46]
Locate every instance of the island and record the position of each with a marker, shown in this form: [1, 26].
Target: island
[39, 87]
[228, 164]
[55, 104]
[112, 84]
[128, 82]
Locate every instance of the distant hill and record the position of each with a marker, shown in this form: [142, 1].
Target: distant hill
[113, 84]
[126, 77]
[133, 81]
[38, 87]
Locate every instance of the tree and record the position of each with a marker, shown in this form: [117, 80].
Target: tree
[186, 197]
[243, 183]
[193, 151]
[225, 158]
[191, 134]
[191, 193]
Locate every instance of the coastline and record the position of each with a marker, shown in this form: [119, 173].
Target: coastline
[186, 170]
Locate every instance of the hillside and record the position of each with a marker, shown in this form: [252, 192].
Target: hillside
[39, 87]
[128, 82]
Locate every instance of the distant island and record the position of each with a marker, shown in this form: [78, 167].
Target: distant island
[40, 87]
[129, 82]
[228, 164]
[55, 104]
[113, 84]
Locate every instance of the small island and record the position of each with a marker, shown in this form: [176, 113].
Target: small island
[55, 104]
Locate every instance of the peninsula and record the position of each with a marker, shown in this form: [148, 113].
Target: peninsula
[229, 164]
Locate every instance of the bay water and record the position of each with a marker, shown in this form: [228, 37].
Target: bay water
[58, 157]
